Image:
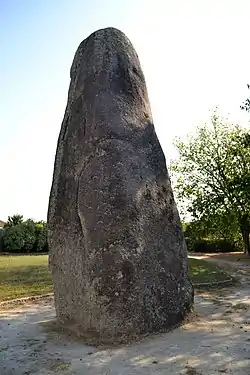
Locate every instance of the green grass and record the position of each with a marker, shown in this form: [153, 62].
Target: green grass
[201, 271]
[24, 275]
[28, 275]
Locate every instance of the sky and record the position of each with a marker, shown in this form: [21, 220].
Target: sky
[195, 55]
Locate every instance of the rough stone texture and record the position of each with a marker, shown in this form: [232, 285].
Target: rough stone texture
[117, 252]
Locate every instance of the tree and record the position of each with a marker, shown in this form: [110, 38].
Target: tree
[212, 174]
[14, 238]
[25, 236]
[41, 236]
[14, 220]
[29, 230]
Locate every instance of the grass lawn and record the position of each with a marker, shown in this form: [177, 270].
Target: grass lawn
[24, 275]
[201, 271]
[27, 275]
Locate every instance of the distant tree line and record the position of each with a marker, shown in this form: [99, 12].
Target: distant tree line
[24, 236]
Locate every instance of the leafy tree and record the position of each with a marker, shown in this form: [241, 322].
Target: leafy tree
[29, 230]
[14, 220]
[211, 233]
[14, 238]
[41, 236]
[25, 236]
[212, 175]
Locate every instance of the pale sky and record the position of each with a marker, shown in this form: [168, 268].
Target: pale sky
[195, 55]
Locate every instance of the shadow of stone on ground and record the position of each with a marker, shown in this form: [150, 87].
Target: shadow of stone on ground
[217, 341]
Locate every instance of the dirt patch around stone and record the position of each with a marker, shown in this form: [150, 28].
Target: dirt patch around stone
[215, 342]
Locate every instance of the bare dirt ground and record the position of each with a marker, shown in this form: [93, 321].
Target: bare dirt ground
[216, 342]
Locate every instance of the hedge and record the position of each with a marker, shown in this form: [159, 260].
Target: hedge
[211, 246]
[25, 237]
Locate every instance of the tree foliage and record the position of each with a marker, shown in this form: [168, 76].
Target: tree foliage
[14, 220]
[29, 231]
[212, 175]
[41, 236]
[213, 235]
[25, 236]
[14, 238]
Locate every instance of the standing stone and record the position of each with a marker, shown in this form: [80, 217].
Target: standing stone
[117, 251]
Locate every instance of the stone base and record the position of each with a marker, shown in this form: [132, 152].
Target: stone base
[110, 338]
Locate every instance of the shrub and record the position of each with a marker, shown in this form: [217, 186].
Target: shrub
[14, 220]
[29, 235]
[41, 237]
[25, 237]
[211, 246]
[14, 238]
[219, 235]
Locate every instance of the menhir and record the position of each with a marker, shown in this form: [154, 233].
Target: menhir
[117, 251]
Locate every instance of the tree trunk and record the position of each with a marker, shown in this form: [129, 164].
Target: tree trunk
[245, 235]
